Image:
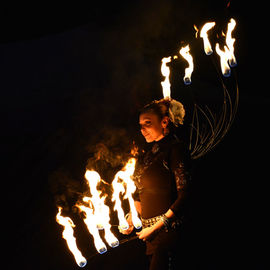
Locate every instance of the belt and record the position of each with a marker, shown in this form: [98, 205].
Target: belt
[149, 222]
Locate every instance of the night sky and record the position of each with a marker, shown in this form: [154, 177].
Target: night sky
[74, 77]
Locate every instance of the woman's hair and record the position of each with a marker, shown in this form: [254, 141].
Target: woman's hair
[166, 107]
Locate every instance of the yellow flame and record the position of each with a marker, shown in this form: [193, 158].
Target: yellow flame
[93, 178]
[230, 42]
[101, 214]
[224, 57]
[125, 174]
[184, 51]
[68, 225]
[90, 222]
[165, 71]
[203, 34]
[118, 188]
[196, 29]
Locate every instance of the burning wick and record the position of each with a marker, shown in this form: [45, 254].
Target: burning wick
[188, 71]
[165, 70]
[227, 57]
[89, 220]
[125, 175]
[230, 41]
[68, 225]
[203, 34]
[118, 188]
[224, 57]
[101, 214]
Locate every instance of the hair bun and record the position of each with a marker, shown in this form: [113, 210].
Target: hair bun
[176, 112]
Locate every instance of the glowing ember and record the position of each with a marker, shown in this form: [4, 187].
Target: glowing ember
[188, 71]
[101, 214]
[165, 70]
[203, 34]
[125, 174]
[68, 225]
[230, 42]
[224, 57]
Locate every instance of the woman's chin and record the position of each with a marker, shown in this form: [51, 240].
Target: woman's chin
[148, 139]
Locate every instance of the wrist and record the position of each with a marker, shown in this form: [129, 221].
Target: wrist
[166, 223]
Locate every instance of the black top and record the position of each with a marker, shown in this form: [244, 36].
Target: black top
[162, 177]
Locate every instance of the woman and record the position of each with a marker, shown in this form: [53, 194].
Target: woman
[162, 179]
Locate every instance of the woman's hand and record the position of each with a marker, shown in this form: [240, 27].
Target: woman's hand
[128, 231]
[146, 233]
[130, 224]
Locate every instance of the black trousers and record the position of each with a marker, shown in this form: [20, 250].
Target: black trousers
[169, 250]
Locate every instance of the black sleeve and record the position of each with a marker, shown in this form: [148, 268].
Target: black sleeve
[180, 166]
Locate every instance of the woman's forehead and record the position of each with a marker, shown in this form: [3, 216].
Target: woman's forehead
[147, 116]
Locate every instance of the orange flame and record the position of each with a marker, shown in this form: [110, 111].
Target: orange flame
[224, 57]
[227, 57]
[68, 225]
[165, 70]
[184, 51]
[230, 42]
[203, 34]
[125, 175]
[101, 215]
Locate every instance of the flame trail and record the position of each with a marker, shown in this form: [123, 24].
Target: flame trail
[203, 34]
[230, 42]
[125, 174]
[101, 211]
[68, 225]
[184, 51]
[165, 70]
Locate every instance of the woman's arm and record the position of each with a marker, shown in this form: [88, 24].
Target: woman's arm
[147, 232]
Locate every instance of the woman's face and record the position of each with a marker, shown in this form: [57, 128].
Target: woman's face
[152, 127]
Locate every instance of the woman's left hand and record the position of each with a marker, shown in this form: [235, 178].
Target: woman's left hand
[146, 233]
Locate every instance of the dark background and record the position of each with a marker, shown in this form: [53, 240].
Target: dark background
[73, 77]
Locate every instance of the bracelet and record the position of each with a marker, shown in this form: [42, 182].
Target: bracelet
[166, 222]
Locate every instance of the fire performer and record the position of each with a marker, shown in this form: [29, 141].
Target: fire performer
[162, 178]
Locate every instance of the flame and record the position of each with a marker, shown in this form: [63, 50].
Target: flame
[224, 57]
[203, 34]
[196, 29]
[118, 188]
[227, 57]
[230, 42]
[68, 225]
[101, 215]
[124, 177]
[184, 51]
[165, 70]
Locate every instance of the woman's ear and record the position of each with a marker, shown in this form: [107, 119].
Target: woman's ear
[165, 121]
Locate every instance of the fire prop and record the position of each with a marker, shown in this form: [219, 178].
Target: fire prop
[122, 178]
[206, 137]
[96, 212]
